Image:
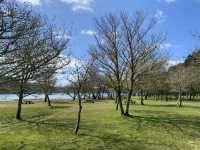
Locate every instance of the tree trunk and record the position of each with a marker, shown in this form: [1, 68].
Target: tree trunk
[93, 96]
[21, 93]
[180, 99]
[146, 96]
[142, 98]
[45, 98]
[74, 97]
[48, 100]
[119, 98]
[128, 102]
[79, 115]
[117, 102]
[166, 98]
[190, 95]
[129, 97]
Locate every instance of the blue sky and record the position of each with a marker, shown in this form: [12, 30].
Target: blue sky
[178, 18]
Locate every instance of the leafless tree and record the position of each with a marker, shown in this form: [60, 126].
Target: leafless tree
[125, 49]
[33, 52]
[178, 80]
[16, 22]
[47, 79]
[47, 83]
[154, 79]
[79, 77]
[108, 53]
[71, 91]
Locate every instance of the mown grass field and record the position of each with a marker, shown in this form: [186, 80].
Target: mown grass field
[155, 126]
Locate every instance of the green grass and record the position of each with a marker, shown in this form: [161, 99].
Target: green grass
[155, 126]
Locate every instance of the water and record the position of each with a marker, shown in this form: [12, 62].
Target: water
[55, 96]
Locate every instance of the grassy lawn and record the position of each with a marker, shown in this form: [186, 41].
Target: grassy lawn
[155, 126]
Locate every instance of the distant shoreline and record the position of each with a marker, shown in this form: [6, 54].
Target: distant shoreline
[53, 96]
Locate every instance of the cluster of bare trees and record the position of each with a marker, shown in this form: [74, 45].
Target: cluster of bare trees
[175, 83]
[184, 78]
[125, 50]
[124, 55]
[125, 60]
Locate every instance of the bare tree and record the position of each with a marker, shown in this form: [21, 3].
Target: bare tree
[153, 79]
[79, 77]
[139, 47]
[47, 79]
[178, 80]
[33, 52]
[108, 53]
[16, 22]
[47, 83]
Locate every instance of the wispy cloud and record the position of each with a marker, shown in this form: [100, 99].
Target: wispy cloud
[76, 5]
[160, 16]
[166, 46]
[64, 75]
[63, 35]
[33, 2]
[170, 1]
[80, 4]
[88, 32]
[167, 1]
[173, 62]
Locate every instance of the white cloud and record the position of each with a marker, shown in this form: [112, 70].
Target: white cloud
[62, 35]
[160, 16]
[64, 74]
[80, 4]
[166, 46]
[33, 2]
[173, 62]
[170, 1]
[88, 32]
[75, 4]
[167, 1]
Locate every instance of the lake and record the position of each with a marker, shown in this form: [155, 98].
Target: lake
[55, 96]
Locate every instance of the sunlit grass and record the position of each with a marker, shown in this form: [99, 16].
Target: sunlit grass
[155, 126]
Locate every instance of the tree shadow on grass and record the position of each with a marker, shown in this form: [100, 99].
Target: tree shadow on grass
[117, 141]
[173, 125]
[172, 106]
[66, 124]
[179, 123]
[63, 102]
[60, 107]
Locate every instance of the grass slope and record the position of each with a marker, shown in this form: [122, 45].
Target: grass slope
[155, 126]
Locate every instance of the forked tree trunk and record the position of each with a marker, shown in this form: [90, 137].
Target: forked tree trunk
[79, 115]
[19, 106]
[129, 98]
[128, 102]
[119, 101]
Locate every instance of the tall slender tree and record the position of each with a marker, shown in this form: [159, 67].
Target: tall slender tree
[108, 53]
